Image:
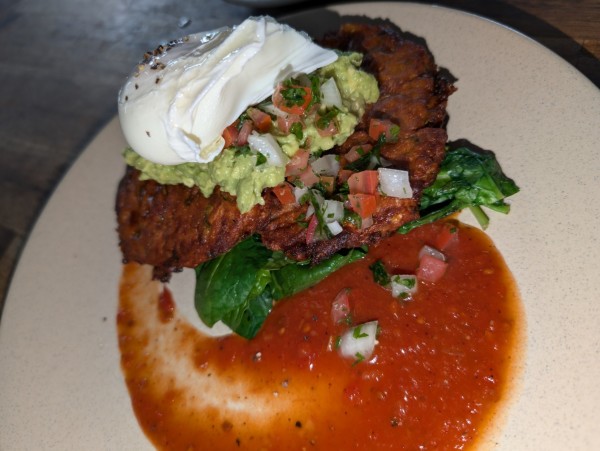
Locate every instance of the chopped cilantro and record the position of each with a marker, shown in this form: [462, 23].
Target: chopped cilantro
[338, 341]
[380, 275]
[407, 282]
[365, 159]
[347, 320]
[358, 333]
[243, 150]
[293, 96]
[260, 159]
[359, 358]
[322, 229]
[315, 85]
[324, 121]
[394, 131]
[243, 118]
[296, 130]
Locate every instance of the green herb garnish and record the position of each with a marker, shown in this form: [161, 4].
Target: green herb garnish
[293, 96]
[260, 159]
[380, 275]
[359, 358]
[358, 333]
[297, 131]
[325, 119]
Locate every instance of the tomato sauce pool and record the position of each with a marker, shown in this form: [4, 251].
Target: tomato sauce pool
[440, 370]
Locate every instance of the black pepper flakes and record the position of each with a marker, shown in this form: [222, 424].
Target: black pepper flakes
[298, 424]
[148, 133]
[157, 65]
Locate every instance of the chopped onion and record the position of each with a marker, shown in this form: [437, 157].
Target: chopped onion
[272, 109]
[428, 250]
[367, 222]
[320, 202]
[309, 211]
[395, 183]
[326, 165]
[358, 343]
[403, 285]
[384, 162]
[267, 145]
[373, 162]
[335, 228]
[299, 193]
[340, 307]
[333, 210]
[330, 94]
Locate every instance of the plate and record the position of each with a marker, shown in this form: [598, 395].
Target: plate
[61, 385]
[264, 3]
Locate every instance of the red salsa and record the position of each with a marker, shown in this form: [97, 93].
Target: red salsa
[440, 369]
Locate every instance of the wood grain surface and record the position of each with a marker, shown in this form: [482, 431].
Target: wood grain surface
[64, 61]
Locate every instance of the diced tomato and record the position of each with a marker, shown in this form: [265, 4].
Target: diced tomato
[308, 177]
[245, 131]
[356, 152]
[285, 194]
[284, 123]
[230, 135]
[311, 229]
[328, 182]
[365, 182]
[279, 98]
[297, 163]
[431, 269]
[378, 127]
[363, 204]
[340, 308]
[262, 121]
[344, 174]
[448, 234]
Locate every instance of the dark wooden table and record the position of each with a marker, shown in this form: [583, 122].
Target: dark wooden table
[63, 62]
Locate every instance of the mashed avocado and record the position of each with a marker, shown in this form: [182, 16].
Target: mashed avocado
[243, 173]
[235, 173]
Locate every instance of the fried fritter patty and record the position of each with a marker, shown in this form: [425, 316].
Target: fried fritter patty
[171, 227]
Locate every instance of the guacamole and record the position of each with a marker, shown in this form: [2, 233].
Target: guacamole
[243, 172]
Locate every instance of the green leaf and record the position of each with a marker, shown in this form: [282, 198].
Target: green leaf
[227, 286]
[466, 179]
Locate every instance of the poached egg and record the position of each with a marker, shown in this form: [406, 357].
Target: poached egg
[176, 104]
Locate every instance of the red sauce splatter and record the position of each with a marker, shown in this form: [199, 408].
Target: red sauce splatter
[437, 376]
[166, 305]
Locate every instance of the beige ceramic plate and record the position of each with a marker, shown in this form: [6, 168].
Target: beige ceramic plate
[60, 380]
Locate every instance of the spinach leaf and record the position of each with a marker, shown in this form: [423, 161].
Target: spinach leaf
[229, 287]
[240, 286]
[467, 179]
